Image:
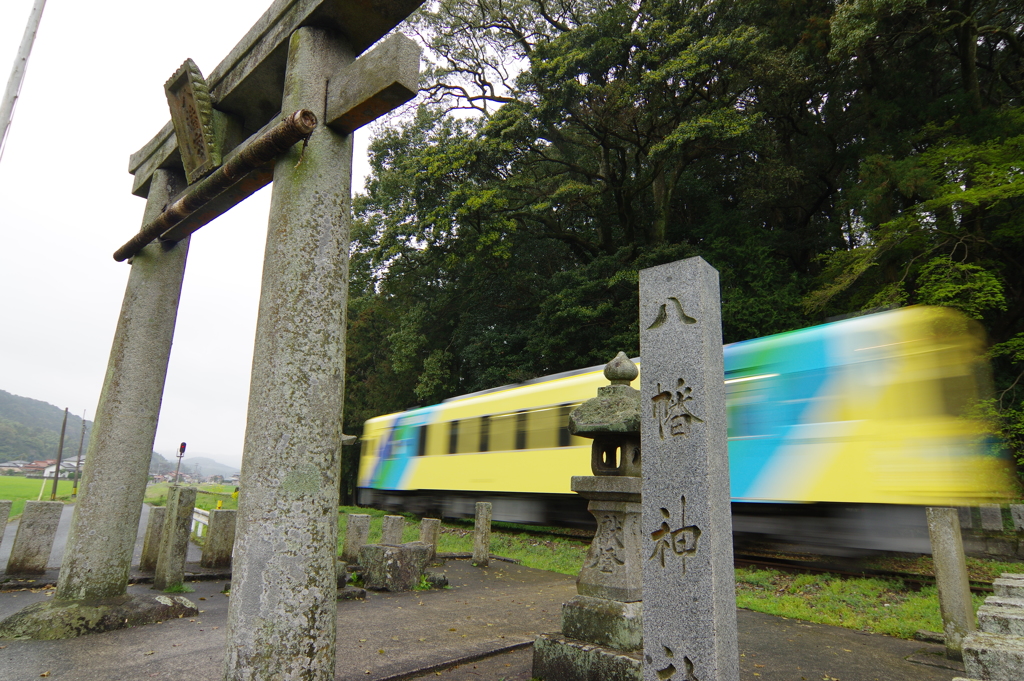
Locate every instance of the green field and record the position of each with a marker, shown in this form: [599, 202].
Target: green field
[206, 499]
[18, 489]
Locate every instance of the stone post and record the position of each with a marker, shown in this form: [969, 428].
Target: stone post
[34, 539]
[991, 517]
[282, 615]
[151, 541]
[966, 522]
[391, 529]
[430, 533]
[5, 512]
[689, 625]
[99, 549]
[220, 539]
[174, 537]
[357, 533]
[482, 534]
[1016, 512]
[951, 578]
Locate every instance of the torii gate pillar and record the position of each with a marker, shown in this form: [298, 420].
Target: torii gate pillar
[293, 69]
[283, 586]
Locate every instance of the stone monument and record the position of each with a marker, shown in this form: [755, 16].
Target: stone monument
[604, 623]
[688, 574]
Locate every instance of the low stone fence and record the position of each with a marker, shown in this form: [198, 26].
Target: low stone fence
[993, 531]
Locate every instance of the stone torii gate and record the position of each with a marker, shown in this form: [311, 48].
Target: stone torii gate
[294, 76]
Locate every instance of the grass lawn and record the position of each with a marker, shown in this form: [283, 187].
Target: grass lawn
[18, 489]
[557, 555]
[871, 604]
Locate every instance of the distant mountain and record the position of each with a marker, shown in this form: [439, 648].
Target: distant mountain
[205, 466]
[30, 429]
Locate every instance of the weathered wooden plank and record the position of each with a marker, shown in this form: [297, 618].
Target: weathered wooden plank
[248, 83]
[381, 80]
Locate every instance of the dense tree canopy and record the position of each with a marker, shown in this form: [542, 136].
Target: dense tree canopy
[825, 157]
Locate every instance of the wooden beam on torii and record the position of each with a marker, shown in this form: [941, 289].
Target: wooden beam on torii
[243, 90]
[247, 85]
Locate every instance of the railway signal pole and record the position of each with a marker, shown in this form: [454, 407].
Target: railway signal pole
[181, 453]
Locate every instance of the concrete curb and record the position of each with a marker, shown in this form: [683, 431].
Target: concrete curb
[413, 673]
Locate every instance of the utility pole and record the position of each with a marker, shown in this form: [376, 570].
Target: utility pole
[78, 462]
[60, 454]
[18, 72]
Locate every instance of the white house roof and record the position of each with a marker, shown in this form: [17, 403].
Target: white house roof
[64, 465]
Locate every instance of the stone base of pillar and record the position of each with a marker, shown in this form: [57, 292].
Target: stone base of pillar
[556, 658]
[53, 620]
[603, 622]
[393, 568]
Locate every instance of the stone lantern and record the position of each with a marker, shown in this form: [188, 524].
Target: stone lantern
[612, 420]
[602, 627]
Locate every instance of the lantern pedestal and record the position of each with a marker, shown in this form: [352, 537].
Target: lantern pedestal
[602, 627]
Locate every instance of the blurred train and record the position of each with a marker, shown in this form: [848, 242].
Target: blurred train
[839, 435]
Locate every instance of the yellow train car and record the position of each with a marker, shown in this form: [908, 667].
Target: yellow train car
[868, 412]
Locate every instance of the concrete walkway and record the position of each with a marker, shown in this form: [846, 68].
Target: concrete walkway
[479, 630]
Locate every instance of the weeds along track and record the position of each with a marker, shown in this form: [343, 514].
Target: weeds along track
[767, 558]
[806, 564]
[911, 579]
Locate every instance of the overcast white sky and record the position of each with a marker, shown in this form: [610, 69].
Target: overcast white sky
[94, 95]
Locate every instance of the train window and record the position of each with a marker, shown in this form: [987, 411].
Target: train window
[543, 432]
[485, 433]
[453, 437]
[469, 436]
[563, 425]
[501, 432]
[958, 393]
[421, 440]
[521, 430]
